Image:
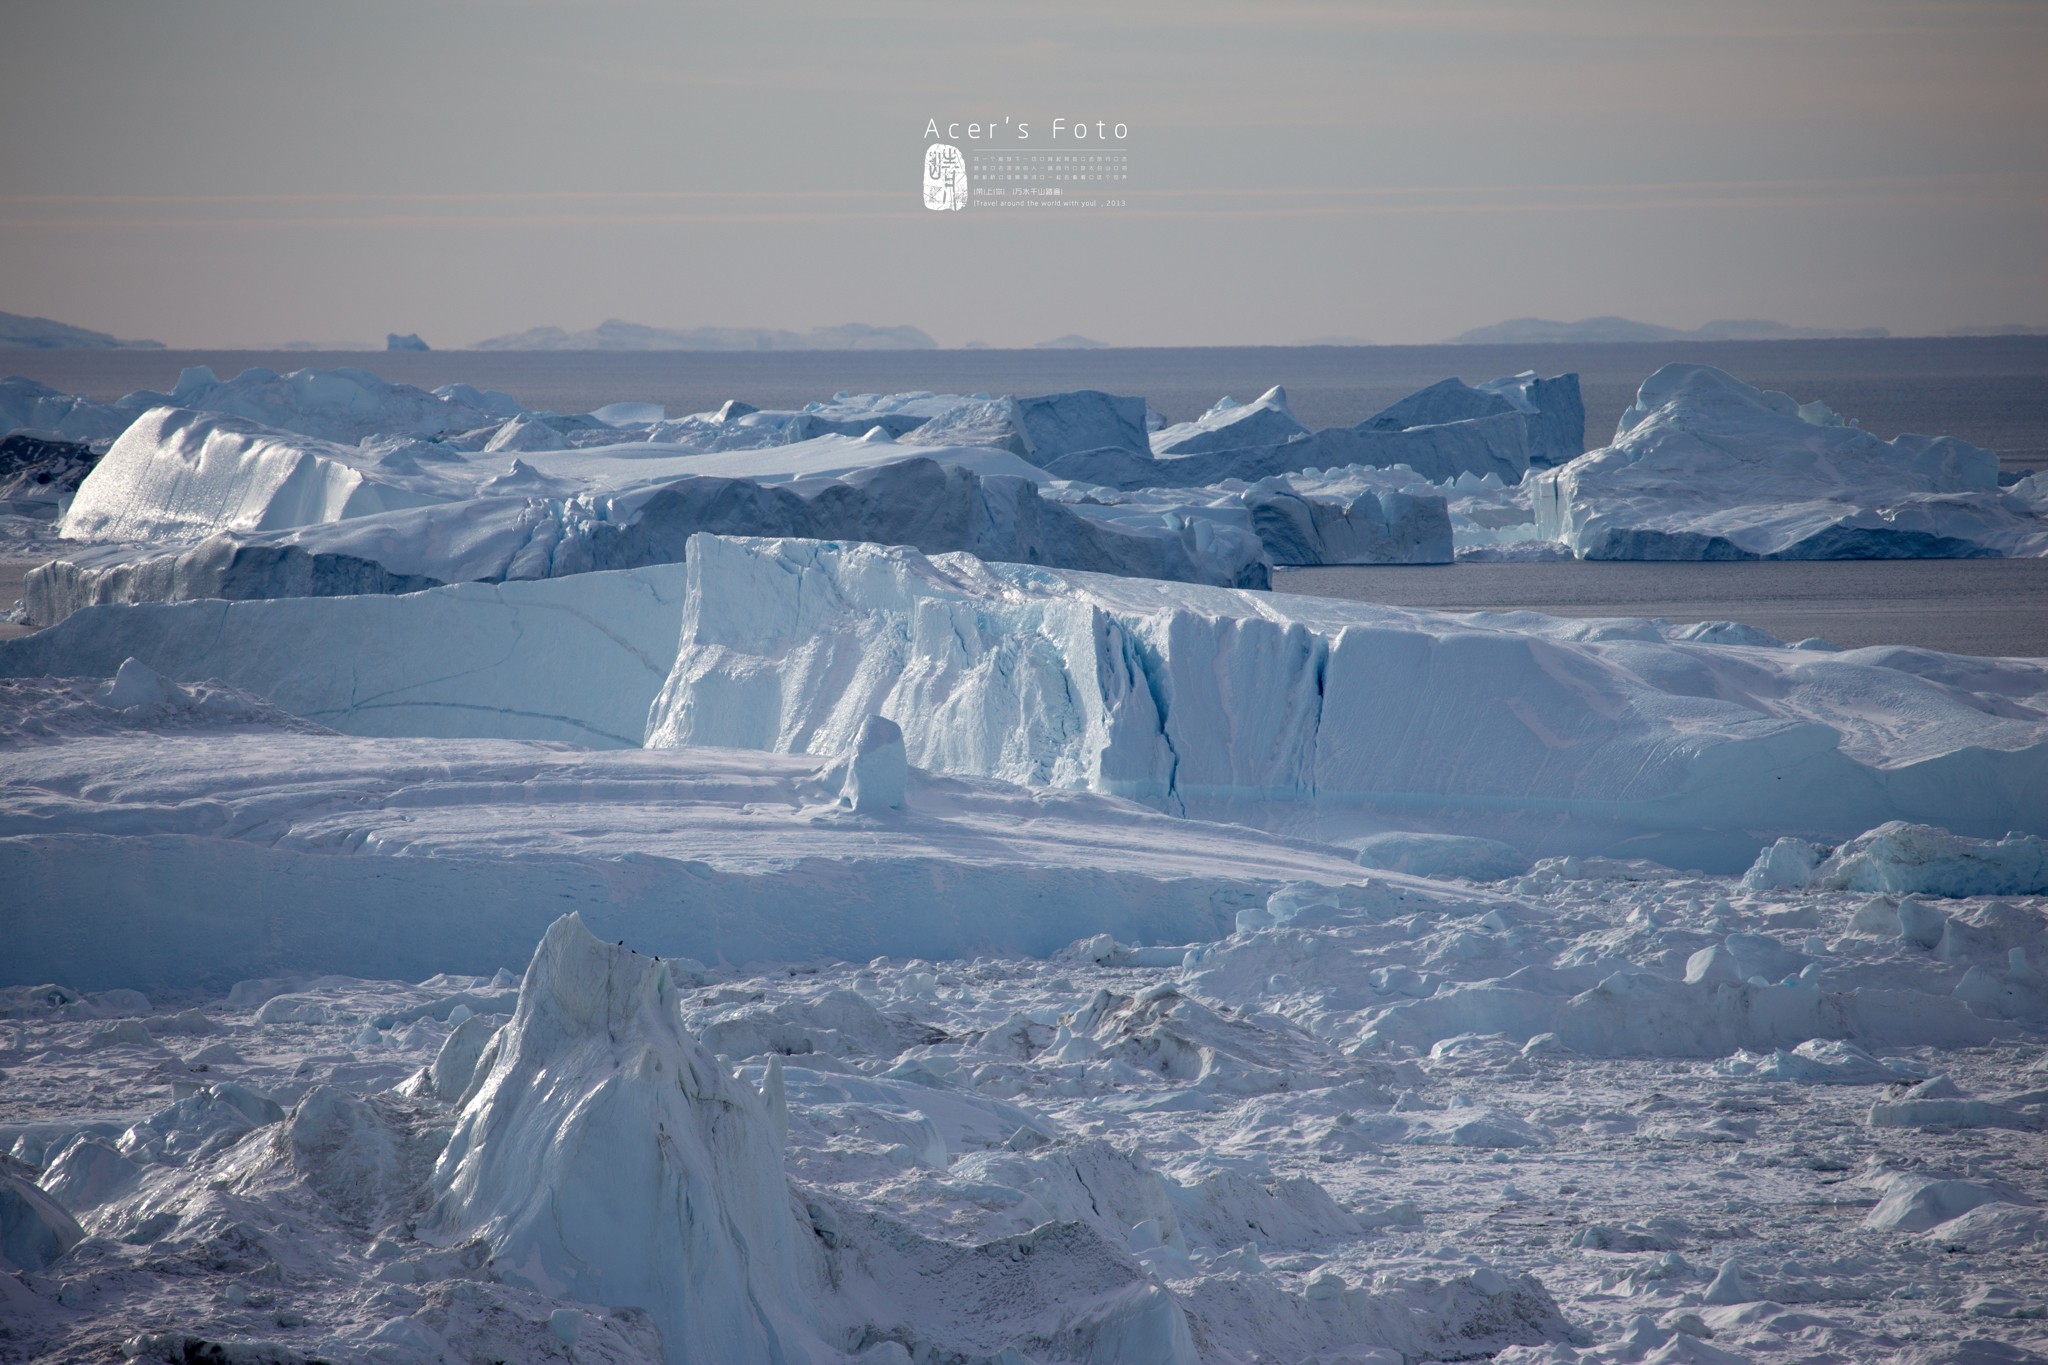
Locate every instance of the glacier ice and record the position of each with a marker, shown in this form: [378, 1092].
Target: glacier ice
[877, 773]
[1368, 521]
[607, 1157]
[1041, 429]
[1218, 1093]
[1704, 466]
[1558, 735]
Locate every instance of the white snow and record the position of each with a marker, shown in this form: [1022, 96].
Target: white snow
[1707, 467]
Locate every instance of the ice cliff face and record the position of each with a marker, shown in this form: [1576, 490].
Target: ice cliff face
[608, 1157]
[1706, 467]
[1198, 699]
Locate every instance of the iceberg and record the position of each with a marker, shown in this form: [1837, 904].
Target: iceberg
[607, 1157]
[1231, 425]
[1443, 432]
[39, 475]
[528, 533]
[1900, 858]
[1364, 522]
[1556, 735]
[1043, 428]
[177, 472]
[1555, 413]
[26, 405]
[343, 404]
[1704, 466]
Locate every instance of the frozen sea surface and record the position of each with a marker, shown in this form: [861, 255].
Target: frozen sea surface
[1995, 607]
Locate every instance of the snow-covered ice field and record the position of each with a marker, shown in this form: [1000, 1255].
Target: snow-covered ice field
[658, 938]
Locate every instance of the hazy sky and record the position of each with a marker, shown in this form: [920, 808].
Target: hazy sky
[231, 173]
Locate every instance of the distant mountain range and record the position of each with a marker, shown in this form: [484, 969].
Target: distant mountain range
[1072, 341]
[614, 335]
[1524, 331]
[41, 334]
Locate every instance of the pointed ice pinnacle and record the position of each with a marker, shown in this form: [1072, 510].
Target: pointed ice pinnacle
[136, 684]
[877, 771]
[1729, 1286]
[608, 1157]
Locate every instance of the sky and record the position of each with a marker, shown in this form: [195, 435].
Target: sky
[218, 173]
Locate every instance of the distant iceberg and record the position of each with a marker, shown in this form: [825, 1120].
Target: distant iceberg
[26, 405]
[1704, 466]
[1445, 431]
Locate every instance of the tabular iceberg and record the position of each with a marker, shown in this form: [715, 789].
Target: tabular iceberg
[1324, 714]
[1706, 467]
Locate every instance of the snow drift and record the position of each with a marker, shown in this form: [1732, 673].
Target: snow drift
[1706, 467]
[1583, 734]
